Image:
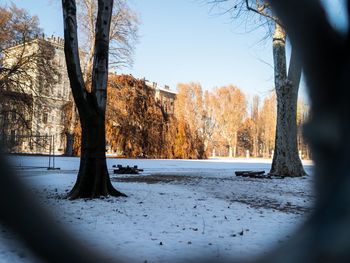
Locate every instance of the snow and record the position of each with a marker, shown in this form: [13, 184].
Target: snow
[192, 208]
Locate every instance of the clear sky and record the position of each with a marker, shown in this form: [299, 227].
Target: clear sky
[181, 41]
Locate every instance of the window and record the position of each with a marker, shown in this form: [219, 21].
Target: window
[13, 136]
[13, 116]
[45, 117]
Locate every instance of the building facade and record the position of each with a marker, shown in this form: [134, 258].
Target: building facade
[164, 95]
[33, 113]
[34, 116]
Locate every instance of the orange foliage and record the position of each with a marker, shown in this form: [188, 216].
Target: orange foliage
[138, 126]
[135, 123]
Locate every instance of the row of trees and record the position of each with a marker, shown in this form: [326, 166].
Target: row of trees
[228, 125]
[92, 105]
[89, 87]
[137, 125]
[205, 123]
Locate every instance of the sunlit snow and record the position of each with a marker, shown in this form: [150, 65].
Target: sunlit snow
[191, 208]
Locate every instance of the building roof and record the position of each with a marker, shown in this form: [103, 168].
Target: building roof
[155, 86]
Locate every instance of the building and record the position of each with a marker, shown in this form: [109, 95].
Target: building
[33, 117]
[163, 95]
[33, 113]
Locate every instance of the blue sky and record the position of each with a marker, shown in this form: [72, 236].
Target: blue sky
[181, 41]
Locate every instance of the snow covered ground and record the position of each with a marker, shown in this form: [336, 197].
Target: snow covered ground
[176, 209]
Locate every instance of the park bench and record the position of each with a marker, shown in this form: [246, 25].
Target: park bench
[252, 174]
[119, 169]
[258, 174]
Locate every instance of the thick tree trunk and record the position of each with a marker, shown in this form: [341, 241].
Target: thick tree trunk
[69, 144]
[286, 161]
[70, 132]
[93, 178]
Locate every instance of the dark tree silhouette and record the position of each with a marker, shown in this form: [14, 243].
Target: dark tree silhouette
[324, 54]
[93, 178]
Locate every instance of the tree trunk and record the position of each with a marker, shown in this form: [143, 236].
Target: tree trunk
[230, 154]
[255, 147]
[69, 144]
[286, 161]
[70, 132]
[93, 178]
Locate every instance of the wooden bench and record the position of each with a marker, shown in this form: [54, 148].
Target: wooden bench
[252, 174]
[258, 174]
[119, 169]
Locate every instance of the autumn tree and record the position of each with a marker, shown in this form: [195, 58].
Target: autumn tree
[245, 137]
[190, 117]
[136, 125]
[255, 117]
[267, 124]
[249, 133]
[93, 178]
[230, 110]
[209, 125]
[27, 65]
[189, 105]
[302, 118]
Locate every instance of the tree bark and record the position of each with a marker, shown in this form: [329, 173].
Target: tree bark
[70, 132]
[93, 178]
[69, 144]
[286, 161]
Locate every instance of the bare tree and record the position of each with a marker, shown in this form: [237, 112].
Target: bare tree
[286, 159]
[122, 36]
[27, 70]
[93, 178]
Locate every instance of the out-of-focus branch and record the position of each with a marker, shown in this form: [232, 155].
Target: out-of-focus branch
[316, 41]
